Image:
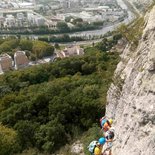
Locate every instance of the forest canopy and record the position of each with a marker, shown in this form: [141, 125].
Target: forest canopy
[44, 105]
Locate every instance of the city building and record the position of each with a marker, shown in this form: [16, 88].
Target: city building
[6, 63]
[2, 19]
[40, 21]
[26, 5]
[20, 59]
[10, 20]
[20, 16]
[70, 51]
[70, 4]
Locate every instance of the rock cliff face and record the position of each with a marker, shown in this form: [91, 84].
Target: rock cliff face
[131, 98]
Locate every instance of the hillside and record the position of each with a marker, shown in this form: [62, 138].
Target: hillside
[141, 5]
[131, 97]
[46, 106]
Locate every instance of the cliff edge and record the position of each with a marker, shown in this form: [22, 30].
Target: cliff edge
[131, 97]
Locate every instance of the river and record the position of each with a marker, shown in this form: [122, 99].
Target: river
[106, 29]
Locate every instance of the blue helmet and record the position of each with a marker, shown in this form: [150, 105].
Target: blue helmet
[102, 140]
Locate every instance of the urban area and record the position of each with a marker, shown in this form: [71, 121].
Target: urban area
[28, 15]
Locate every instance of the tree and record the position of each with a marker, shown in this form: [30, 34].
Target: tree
[68, 19]
[26, 130]
[4, 47]
[26, 44]
[123, 29]
[51, 136]
[33, 57]
[56, 45]
[77, 20]
[49, 104]
[42, 49]
[62, 26]
[8, 141]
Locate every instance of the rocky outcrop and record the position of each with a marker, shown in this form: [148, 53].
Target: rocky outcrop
[131, 97]
[77, 148]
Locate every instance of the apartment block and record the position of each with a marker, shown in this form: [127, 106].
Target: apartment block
[20, 59]
[5, 63]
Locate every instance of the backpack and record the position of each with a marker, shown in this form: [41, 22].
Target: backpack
[110, 135]
[102, 122]
[92, 146]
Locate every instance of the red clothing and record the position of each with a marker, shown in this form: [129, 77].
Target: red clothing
[106, 127]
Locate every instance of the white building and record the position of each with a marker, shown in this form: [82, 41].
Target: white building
[20, 16]
[31, 18]
[40, 21]
[2, 20]
[10, 20]
[26, 5]
[70, 51]
[20, 59]
[5, 63]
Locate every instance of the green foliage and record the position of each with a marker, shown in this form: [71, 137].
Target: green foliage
[107, 44]
[103, 45]
[26, 131]
[8, 141]
[62, 27]
[42, 49]
[26, 44]
[30, 151]
[8, 45]
[49, 104]
[34, 50]
[61, 38]
[77, 20]
[47, 136]
[68, 19]
[94, 133]
[56, 45]
[133, 32]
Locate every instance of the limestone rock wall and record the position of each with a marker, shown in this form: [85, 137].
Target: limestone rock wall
[131, 98]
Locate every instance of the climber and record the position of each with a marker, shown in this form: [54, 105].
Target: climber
[95, 147]
[109, 135]
[105, 123]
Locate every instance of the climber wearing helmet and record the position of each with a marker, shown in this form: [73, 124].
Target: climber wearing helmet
[98, 148]
[109, 135]
[106, 124]
[95, 147]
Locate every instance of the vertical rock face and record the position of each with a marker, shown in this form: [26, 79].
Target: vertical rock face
[131, 98]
